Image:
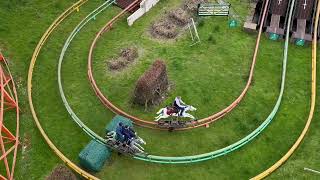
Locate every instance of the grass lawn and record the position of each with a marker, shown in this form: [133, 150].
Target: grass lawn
[209, 76]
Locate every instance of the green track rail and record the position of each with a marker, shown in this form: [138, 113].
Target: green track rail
[87, 19]
[181, 159]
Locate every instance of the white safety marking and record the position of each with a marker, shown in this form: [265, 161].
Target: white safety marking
[305, 4]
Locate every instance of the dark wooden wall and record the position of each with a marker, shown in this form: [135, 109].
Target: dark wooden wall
[279, 7]
[125, 3]
[304, 12]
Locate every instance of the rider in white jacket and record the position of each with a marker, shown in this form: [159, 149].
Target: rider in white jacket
[179, 104]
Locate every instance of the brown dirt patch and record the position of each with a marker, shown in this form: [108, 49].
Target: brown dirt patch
[164, 29]
[172, 24]
[26, 144]
[192, 5]
[126, 57]
[129, 54]
[179, 17]
[61, 172]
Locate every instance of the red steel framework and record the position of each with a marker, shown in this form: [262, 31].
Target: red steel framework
[8, 138]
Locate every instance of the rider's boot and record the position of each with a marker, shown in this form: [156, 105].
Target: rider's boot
[181, 112]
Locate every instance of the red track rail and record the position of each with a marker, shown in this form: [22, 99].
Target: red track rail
[8, 141]
[152, 124]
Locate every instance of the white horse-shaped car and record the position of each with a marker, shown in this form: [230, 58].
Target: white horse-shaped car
[171, 111]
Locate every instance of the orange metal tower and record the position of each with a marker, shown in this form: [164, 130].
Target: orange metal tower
[8, 134]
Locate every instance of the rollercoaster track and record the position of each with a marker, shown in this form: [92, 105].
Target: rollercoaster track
[149, 158]
[91, 16]
[312, 105]
[185, 159]
[15, 96]
[36, 52]
[149, 123]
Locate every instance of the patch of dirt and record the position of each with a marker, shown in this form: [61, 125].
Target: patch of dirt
[179, 17]
[26, 145]
[117, 64]
[19, 82]
[164, 29]
[61, 172]
[126, 57]
[192, 5]
[20, 86]
[173, 22]
[129, 54]
[26, 142]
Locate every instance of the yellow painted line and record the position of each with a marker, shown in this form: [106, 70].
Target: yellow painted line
[65, 14]
[312, 107]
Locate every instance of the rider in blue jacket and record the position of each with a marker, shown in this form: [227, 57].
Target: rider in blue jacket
[125, 133]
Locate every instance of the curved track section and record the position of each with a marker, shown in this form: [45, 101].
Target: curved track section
[253, 134]
[149, 158]
[9, 100]
[36, 52]
[91, 16]
[151, 123]
[210, 155]
[312, 106]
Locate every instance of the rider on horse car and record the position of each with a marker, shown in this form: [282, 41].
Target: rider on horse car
[125, 132]
[179, 104]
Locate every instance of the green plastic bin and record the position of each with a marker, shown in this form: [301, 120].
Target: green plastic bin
[94, 155]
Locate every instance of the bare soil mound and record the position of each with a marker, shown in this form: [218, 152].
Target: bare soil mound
[61, 172]
[164, 29]
[172, 24]
[129, 54]
[179, 17]
[192, 5]
[126, 57]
